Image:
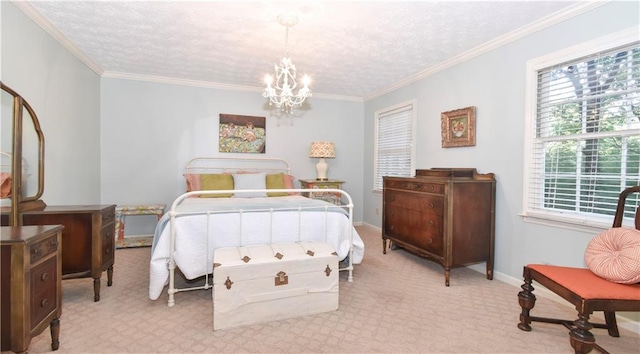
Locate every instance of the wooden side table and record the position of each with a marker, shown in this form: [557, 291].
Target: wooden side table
[331, 197]
[135, 210]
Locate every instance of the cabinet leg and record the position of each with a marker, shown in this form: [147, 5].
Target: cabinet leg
[54, 326]
[384, 246]
[110, 275]
[96, 289]
[490, 270]
[447, 273]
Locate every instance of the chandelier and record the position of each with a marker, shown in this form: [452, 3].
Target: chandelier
[281, 90]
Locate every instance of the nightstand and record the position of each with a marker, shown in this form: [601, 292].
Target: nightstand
[331, 197]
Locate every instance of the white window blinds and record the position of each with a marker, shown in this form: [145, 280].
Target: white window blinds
[394, 151]
[585, 143]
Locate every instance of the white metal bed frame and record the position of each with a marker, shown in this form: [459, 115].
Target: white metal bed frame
[240, 164]
[195, 165]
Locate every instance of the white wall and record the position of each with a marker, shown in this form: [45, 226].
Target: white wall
[494, 82]
[65, 95]
[150, 130]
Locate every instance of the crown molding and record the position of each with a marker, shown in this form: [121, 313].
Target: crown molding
[210, 84]
[178, 81]
[548, 21]
[569, 12]
[46, 25]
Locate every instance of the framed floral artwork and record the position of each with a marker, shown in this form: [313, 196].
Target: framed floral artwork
[459, 127]
[243, 134]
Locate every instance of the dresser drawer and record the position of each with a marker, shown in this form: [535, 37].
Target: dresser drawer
[107, 235]
[414, 227]
[415, 185]
[43, 248]
[43, 290]
[407, 200]
[108, 216]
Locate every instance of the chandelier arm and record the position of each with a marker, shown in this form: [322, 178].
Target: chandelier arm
[281, 91]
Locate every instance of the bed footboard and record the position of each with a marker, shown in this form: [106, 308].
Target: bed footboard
[197, 224]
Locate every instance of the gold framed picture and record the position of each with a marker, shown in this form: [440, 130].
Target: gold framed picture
[459, 127]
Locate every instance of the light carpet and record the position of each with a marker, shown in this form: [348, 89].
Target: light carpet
[397, 304]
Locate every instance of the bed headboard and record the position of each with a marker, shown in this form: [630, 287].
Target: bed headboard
[199, 165]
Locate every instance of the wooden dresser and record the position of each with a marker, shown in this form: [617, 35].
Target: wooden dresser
[88, 239]
[30, 286]
[445, 215]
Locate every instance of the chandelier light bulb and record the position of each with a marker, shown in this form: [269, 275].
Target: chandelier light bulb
[306, 80]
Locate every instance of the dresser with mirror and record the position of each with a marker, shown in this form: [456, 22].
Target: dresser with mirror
[30, 256]
[42, 244]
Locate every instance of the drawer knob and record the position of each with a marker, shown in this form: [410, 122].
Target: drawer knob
[430, 222]
[44, 302]
[430, 206]
[392, 227]
[44, 276]
[37, 251]
[430, 241]
[53, 243]
[431, 187]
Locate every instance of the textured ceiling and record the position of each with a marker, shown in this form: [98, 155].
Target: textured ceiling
[350, 48]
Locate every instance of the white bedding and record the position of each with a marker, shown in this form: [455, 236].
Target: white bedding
[194, 251]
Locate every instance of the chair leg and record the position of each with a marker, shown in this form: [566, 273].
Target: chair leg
[581, 339]
[612, 324]
[527, 301]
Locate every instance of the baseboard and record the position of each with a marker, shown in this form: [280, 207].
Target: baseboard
[138, 236]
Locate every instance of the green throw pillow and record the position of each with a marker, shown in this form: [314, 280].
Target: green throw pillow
[276, 181]
[216, 182]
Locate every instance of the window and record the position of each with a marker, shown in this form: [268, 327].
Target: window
[394, 149]
[583, 138]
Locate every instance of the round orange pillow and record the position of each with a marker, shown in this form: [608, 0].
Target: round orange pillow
[615, 255]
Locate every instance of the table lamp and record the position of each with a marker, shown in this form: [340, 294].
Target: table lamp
[322, 150]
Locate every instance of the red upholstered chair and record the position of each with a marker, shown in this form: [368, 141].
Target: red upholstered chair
[585, 290]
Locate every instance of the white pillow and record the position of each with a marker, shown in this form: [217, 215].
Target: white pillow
[250, 181]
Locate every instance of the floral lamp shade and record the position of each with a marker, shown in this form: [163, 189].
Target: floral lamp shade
[322, 149]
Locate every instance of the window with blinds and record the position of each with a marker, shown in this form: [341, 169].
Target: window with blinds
[585, 136]
[394, 144]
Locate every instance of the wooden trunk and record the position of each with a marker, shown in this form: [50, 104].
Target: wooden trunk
[261, 283]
